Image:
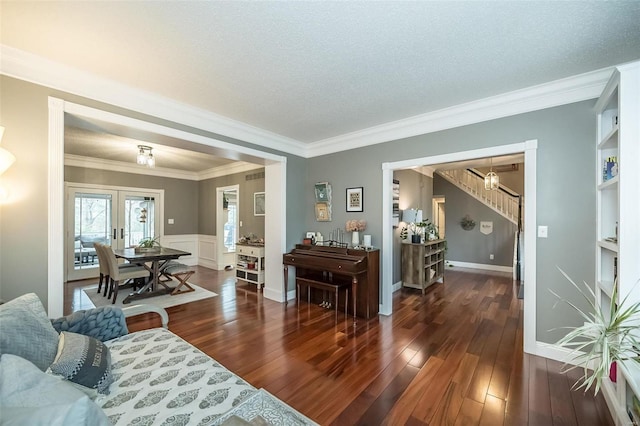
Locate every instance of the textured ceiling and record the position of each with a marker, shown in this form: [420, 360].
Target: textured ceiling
[314, 70]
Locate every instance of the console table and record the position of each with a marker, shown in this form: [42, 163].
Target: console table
[422, 264]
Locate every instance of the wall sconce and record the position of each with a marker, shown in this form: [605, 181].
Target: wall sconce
[145, 156]
[6, 158]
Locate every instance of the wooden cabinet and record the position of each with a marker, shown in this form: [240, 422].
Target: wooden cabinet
[250, 264]
[422, 264]
[618, 227]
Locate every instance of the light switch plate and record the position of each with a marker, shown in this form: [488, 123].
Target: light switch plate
[543, 231]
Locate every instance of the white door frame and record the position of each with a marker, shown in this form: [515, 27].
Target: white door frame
[275, 181]
[119, 194]
[530, 152]
[220, 222]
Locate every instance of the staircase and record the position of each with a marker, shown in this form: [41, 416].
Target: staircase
[503, 201]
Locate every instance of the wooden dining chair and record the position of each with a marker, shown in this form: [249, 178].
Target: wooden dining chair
[103, 262]
[118, 275]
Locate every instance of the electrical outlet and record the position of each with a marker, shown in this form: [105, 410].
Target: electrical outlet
[170, 221]
[240, 223]
[491, 257]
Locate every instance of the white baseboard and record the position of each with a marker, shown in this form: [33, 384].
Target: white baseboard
[482, 266]
[564, 355]
[397, 286]
[555, 352]
[211, 264]
[274, 294]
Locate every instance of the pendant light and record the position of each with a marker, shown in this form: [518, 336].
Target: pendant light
[491, 180]
[145, 156]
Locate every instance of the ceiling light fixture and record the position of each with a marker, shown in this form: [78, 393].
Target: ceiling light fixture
[491, 180]
[145, 156]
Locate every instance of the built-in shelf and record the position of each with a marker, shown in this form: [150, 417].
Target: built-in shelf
[608, 245]
[610, 140]
[617, 266]
[609, 184]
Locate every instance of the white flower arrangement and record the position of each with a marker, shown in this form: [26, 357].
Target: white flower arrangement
[355, 225]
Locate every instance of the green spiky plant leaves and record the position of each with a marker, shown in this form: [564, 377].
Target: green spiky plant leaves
[604, 337]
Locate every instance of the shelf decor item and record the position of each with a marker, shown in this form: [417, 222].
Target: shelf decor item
[609, 336]
[355, 226]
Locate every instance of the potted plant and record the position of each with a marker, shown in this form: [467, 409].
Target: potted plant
[147, 245]
[605, 340]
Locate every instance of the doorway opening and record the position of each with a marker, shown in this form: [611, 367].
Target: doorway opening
[275, 179]
[116, 216]
[529, 148]
[439, 216]
[227, 224]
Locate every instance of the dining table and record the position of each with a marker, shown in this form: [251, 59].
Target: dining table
[154, 261]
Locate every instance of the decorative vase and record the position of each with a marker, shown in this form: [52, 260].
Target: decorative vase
[415, 239]
[355, 238]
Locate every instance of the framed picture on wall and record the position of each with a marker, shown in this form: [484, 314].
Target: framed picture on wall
[323, 212]
[355, 199]
[258, 204]
[323, 192]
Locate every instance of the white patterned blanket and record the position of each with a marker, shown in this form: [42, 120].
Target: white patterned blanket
[161, 379]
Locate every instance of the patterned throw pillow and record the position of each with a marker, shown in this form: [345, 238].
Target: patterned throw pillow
[83, 360]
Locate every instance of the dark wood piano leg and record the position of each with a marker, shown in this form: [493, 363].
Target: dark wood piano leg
[354, 286]
[286, 284]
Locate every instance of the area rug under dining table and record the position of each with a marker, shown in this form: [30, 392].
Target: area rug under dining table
[162, 301]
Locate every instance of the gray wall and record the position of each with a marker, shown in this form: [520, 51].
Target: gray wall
[180, 196]
[207, 195]
[565, 199]
[23, 221]
[473, 246]
[566, 193]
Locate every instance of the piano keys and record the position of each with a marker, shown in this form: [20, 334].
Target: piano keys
[324, 264]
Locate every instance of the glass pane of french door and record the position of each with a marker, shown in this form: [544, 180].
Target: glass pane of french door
[139, 218]
[116, 218]
[91, 217]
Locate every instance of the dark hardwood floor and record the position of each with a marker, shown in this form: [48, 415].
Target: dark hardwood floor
[453, 356]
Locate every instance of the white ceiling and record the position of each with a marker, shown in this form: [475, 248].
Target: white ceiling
[314, 70]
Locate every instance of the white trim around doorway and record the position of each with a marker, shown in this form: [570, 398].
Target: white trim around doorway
[530, 152]
[275, 176]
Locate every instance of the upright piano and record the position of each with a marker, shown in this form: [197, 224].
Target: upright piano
[335, 264]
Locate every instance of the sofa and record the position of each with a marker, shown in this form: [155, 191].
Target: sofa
[87, 369]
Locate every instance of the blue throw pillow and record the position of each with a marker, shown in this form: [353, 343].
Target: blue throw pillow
[25, 331]
[83, 360]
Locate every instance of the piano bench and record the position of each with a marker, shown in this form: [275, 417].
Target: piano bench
[325, 286]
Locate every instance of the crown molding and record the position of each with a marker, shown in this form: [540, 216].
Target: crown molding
[559, 92]
[38, 70]
[123, 167]
[230, 169]
[35, 69]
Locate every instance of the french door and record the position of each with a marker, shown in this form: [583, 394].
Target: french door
[119, 218]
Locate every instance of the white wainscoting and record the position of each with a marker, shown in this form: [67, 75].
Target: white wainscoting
[207, 251]
[187, 242]
[201, 247]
